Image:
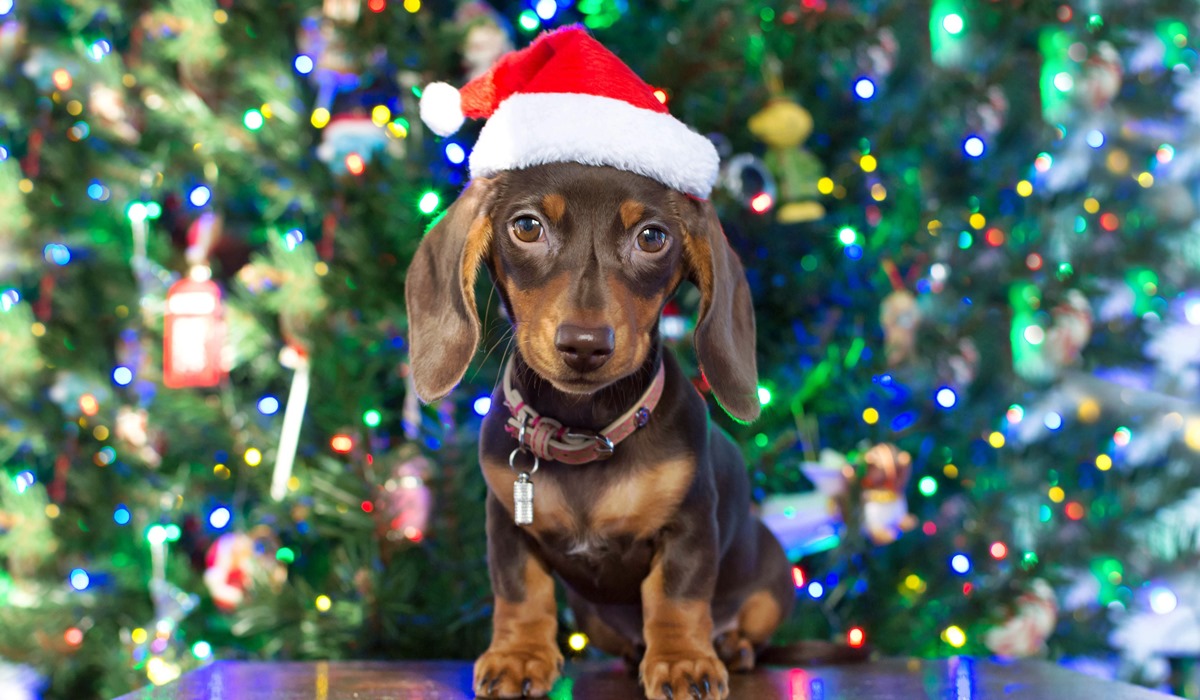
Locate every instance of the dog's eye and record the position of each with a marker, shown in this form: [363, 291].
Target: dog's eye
[527, 229]
[652, 240]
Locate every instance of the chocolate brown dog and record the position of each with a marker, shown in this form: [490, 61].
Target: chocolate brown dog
[653, 538]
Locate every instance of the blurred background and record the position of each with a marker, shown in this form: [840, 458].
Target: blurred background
[969, 227]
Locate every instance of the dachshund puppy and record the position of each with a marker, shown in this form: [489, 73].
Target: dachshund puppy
[640, 506]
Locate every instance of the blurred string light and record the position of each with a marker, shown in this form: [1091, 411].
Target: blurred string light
[1063, 82]
[1095, 138]
[6, 6]
[953, 23]
[57, 254]
[864, 88]
[252, 457]
[455, 153]
[429, 202]
[79, 579]
[528, 21]
[928, 486]
[253, 119]
[847, 235]
[1163, 600]
[323, 603]
[268, 405]
[798, 577]
[219, 517]
[482, 405]
[761, 203]
[122, 376]
[546, 9]
[1122, 436]
[1015, 414]
[1103, 462]
[355, 164]
[9, 298]
[1164, 154]
[377, 6]
[1053, 420]
[24, 480]
[856, 637]
[121, 514]
[96, 190]
[372, 418]
[412, 6]
[293, 238]
[303, 64]
[202, 650]
[578, 641]
[998, 550]
[960, 564]
[815, 589]
[200, 195]
[946, 398]
[973, 146]
[954, 636]
[764, 395]
[341, 443]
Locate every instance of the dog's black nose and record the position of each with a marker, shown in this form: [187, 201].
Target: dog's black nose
[584, 349]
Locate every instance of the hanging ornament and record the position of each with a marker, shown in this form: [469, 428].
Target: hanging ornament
[486, 37]
[991, 113]
[1102, 76]
[346, 11]
[784, 126]
[133, 431]
[879, 58]
[1044, 344]
[110, 112]
[237, 563]
[405, 502]
[885, 474]
[349, 142]
[193, 332]
[748, 180]
[1032, 621]
[811, 522]
[900, 317]
[293, 416]
[336, 68]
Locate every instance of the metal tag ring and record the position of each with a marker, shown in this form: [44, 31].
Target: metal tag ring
[512, 460]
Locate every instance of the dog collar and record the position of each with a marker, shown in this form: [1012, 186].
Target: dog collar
[548, 439]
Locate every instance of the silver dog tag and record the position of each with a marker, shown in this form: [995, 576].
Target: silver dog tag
[523, 499]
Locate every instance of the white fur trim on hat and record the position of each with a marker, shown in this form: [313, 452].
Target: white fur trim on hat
[536, 128]
[441, 108]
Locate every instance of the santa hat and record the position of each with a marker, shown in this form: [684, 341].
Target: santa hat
[566, 98]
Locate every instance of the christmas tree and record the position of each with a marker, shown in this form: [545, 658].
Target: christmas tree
[968, 228]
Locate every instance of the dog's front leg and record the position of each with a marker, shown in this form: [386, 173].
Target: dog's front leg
[523, 659]
[677, 613]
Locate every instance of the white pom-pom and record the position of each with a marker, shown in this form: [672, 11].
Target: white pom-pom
[441, 108]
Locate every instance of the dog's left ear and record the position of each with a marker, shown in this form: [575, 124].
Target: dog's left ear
[724, 336]
[439, 292]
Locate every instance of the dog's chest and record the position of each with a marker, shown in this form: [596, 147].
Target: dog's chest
[584, 508]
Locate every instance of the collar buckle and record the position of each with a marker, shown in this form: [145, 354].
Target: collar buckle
[602, 443]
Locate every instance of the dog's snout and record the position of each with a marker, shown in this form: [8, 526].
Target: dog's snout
[584, 349]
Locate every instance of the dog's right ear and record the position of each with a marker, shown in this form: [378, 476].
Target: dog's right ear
[443, 325]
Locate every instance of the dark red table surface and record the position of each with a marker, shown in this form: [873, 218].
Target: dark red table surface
[943, 679]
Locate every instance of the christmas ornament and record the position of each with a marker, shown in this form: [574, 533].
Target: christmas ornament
[1043, 345]
[348, 136]
[133, 431]
[1102, 76]
[542, 107]
[346, 11]
[810, 522]
[883, 482]
[900, 317]
[748, 180]
[406, 501]
[293, 415]
[238, 562]
[193, 332]
[336, 68]
[990, 114]
[1033, 619]
[486, 37]
[784, 126]
[108, 107]
[879, 58]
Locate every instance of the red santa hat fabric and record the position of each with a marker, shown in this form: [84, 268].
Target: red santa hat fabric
[566, 98]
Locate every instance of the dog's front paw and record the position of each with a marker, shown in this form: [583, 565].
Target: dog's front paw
[684, 676]
[525, 672]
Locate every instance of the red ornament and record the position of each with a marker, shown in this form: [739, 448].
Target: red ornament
[193, 334]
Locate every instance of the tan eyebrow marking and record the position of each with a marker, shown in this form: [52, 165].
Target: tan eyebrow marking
[631, 212]
[555, 205]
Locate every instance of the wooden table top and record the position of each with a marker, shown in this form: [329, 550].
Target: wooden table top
[959, 678]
